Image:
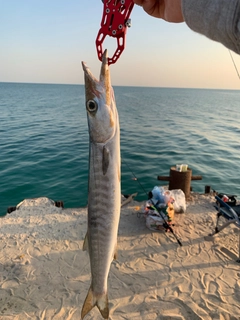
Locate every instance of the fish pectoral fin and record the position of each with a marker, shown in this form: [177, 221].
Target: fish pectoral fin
[105, 160]
[91, 301]
[85, 243]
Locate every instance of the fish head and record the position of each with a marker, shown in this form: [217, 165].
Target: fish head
[100, 103]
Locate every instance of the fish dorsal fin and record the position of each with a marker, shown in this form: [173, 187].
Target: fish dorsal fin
[105, 160]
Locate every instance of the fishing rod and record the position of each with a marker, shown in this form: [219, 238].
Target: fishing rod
[154, 207]
[234, 64]
[135, 178]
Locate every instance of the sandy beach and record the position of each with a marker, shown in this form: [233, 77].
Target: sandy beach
[44, 274]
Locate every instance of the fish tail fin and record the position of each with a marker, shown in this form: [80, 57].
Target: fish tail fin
[91, 301]
[102, 304]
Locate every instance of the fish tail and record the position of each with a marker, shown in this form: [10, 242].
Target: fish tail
[92, 300]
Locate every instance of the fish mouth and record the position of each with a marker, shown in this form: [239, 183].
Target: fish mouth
[88, 73]
[105, 58]
[104, 69]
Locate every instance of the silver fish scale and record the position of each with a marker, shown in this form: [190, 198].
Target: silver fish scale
[101, 218]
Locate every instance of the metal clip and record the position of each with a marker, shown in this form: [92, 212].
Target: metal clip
[115, 20]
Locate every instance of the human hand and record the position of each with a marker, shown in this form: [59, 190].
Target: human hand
[169, 10]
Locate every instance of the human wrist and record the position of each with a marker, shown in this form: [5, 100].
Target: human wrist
[173, 11]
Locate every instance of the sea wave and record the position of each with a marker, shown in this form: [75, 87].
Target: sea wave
[44, 140]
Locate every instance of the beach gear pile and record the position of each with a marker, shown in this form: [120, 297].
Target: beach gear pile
[229, 199]
[161, 207]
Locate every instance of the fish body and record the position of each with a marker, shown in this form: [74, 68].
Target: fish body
[104, 187]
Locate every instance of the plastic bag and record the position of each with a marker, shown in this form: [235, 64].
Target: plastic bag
[179, 200]
[176, 197]
[154, 222]
[158, 195]
[156, 219]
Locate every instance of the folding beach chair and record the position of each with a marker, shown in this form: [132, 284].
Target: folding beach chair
[231, 214]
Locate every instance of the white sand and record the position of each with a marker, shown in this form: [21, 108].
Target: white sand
[44, 274]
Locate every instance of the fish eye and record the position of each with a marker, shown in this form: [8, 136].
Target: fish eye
[91, 106]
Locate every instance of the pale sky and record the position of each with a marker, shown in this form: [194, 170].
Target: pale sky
[44, 41]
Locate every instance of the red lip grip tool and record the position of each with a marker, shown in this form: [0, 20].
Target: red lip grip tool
[115, 20]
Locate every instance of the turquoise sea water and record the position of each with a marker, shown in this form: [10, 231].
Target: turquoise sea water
[44, 140]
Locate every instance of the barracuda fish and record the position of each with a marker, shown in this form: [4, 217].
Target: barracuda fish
[104, 191]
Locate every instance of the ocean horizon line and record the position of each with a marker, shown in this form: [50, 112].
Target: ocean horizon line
[127, 86]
